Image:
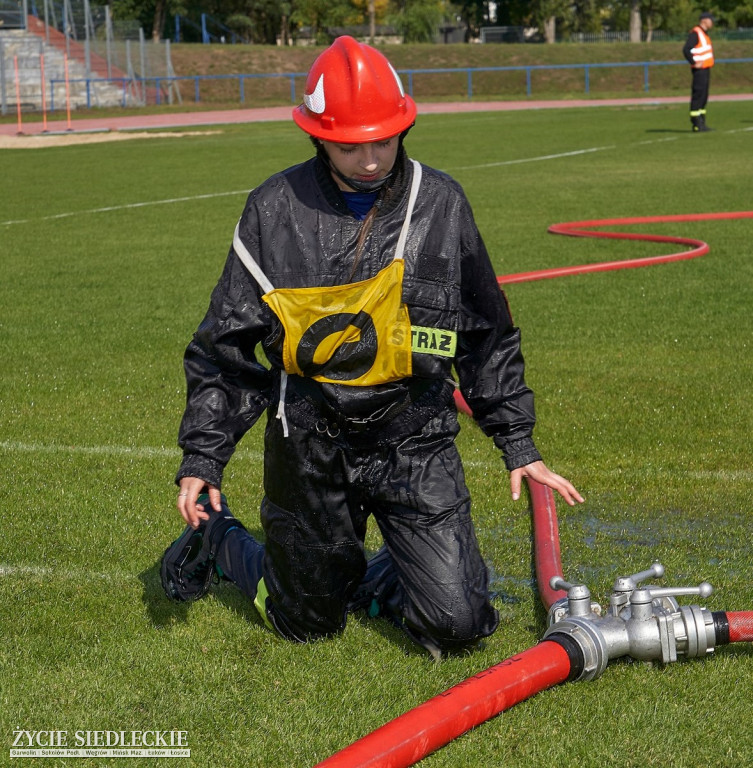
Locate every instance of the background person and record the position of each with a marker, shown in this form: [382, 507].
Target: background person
[363, 277]
[699, 52]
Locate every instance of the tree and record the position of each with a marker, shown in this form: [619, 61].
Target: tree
[321, 14]
[585, 16]
[269, 18]
[736, 13]
[160, 14]
[127, 10]
[635, 21]
[672, 16]
[418, 20]
[474, 14]
[512, 12]
[545, 13]
[242, 25]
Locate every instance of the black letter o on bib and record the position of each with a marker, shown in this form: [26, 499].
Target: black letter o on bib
[351, 359]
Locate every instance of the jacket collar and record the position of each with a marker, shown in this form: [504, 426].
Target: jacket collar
[389, 197]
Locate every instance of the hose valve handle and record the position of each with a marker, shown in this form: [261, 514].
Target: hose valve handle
[644, 622]
[557, 582]
[578, 598]
[629, 583]
[666, 595]
[704, 589]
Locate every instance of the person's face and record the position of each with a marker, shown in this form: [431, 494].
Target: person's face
[364, 162]
[707, 24]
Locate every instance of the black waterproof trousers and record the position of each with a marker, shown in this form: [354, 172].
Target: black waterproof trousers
[321, 489]
[699, 93]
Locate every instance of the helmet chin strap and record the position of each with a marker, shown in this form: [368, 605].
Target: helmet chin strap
[362, 186]
[355, 184]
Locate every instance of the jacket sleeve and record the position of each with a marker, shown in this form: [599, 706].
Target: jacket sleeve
[690, 43]
[227, 387]
[489, 361]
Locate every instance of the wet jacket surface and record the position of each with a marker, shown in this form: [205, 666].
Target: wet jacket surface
[297, 227]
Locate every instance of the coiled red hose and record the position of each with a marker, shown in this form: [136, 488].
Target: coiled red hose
[583, 229]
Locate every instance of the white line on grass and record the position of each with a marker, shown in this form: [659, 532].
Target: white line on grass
[728, 475]
[68, 574]
[140, 452]
[657, 141]
[145, 452]
[574, 153]
[171, 200]
[168, 201]
[124, 207]
[94, 450]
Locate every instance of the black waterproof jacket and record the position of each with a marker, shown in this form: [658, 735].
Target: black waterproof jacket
[298, 229]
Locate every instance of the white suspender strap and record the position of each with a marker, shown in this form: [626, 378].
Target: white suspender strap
[411, 204]
[266, 286]
[281, 405]
[249, 263]
[263, 280]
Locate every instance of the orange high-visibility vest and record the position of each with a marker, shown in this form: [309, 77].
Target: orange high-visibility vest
[703, 53]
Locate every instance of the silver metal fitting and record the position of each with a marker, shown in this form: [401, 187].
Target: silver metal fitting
[645, 623]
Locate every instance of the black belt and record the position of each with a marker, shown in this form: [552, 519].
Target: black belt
[311, 411]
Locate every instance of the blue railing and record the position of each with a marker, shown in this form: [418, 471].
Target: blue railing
[157, 84]
[531, 68]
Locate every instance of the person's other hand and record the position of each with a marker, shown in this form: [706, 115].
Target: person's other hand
[541, 473]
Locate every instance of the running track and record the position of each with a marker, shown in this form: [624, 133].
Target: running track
[187, 119]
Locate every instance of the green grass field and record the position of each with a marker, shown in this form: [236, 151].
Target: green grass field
[644, 382]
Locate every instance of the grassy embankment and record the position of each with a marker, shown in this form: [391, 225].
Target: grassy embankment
[190, 60]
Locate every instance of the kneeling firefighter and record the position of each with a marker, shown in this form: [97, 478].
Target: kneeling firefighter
[362, 276]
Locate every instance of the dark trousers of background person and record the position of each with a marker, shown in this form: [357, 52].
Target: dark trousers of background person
[699, 95]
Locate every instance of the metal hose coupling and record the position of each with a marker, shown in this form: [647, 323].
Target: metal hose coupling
[643, 622]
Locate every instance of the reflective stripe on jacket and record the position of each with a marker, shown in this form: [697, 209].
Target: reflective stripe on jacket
[703, 53]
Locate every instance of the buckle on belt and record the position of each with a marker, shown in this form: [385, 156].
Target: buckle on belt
[324, 428]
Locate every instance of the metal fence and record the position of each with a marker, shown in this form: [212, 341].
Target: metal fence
[57, 50]
[529, 70]
[656, 36]
[513, 34]
[193, 84]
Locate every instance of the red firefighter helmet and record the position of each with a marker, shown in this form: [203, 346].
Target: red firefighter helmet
[353, 95]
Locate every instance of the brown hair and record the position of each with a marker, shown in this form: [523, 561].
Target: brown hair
[366, 226]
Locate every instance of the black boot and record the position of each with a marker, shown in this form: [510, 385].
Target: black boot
[189, 565]
[702, 124]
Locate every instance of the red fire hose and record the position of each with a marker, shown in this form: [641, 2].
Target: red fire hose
[410, 737]
[583, 229]
[546, 542]
[740, 626]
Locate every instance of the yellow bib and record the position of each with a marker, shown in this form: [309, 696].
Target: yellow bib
[357, 334]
